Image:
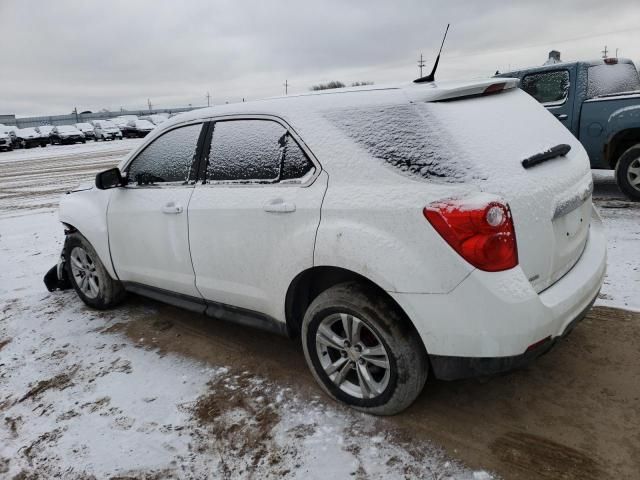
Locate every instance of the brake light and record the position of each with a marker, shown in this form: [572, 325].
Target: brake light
[481, 232]
[494, 88]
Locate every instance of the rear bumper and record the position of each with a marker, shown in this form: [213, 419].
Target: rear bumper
[489, 321]
[454, 368]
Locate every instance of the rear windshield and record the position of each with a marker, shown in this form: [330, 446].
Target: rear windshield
[612, 79]
[406, 137]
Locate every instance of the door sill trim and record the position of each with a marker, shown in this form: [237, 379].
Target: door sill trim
[219, 311]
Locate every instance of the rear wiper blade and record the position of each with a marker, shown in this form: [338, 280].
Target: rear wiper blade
[554, 152]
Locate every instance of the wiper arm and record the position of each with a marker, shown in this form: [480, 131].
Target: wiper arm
[554, 152]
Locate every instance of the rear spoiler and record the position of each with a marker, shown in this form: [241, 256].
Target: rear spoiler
[466, 90]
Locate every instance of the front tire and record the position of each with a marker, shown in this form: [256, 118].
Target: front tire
[628, 173]
[362, 351]
[89, 278]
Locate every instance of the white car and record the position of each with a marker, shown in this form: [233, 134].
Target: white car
[444, 228]
[6, 142]
[105, 130]
[87, 129]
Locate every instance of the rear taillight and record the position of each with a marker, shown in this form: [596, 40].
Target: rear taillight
[480, 231]
[494, 88]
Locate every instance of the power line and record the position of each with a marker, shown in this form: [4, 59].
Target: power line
[421, 65]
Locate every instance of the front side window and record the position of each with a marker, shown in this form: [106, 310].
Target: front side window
[166, 159]
[255, 151]
[548, 88]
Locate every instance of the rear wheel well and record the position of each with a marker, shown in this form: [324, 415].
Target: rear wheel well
[620, 143]
[312, 282]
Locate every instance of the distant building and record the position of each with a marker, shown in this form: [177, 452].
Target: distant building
[554, 57]
[8, 119]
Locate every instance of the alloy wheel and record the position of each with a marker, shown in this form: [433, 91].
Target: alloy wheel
[633, 174]
[352, 356]
[83, 269]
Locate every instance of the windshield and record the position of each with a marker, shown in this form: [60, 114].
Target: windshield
[611, 79]
[83, 126]
[144, 124]
[107, 124]
[27, 131]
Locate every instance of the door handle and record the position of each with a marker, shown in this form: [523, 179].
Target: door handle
[278, 205]
[172, 207]
[561, 116]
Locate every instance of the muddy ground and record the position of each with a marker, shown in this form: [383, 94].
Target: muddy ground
[573, 414]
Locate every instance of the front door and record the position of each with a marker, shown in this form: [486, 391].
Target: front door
[147, 219]
[252, 225]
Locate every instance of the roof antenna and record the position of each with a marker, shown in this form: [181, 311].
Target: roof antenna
[431, 76]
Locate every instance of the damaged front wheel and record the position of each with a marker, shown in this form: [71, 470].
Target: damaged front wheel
[88, 276]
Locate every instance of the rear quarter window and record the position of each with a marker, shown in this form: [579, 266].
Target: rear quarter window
[548, 88]
[408, 138]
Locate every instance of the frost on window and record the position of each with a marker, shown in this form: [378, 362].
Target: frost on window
[611, 79]
[168, 158]
[549, 88]
[295, 163]
[246, 150]
[408, 137]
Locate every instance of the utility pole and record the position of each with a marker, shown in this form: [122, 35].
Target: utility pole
[75, 111]
[617, 52]
[286, 87]
[604, 52]
[208, 95]
[421, 65]
[149, 103]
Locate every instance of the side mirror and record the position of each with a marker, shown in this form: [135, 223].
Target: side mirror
[111, 178]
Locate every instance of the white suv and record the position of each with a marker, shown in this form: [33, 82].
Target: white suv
[105, 130]
[444, 228]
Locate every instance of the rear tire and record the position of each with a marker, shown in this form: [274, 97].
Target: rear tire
[362, 351]
[628, 173]
[87, 274]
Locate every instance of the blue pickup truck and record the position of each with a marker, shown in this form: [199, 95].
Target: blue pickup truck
[599, 102]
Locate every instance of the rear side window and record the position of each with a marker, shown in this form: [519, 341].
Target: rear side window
[407, 137]
[549, 88]
[255, 151]
[168, 158]
[612, 79]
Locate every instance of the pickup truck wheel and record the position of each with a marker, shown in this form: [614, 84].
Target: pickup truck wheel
[628, 173]
[362, 351]
[89, 278]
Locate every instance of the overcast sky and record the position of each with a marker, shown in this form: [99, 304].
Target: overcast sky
[111, 54]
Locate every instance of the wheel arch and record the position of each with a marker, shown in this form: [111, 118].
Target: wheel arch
[310, 283]
[619, 143]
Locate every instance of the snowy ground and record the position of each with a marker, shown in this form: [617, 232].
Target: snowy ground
[148, 391]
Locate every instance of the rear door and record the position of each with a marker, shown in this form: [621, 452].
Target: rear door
[252, 225]
[147, 219]
[553, 89]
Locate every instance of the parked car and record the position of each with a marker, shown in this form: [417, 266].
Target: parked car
[6, 142]
[29, 137]
[87, 129]
[63, 134]
[13, 133]
[45, 132]
[599, 102]
[106, 130]
[155, 118]
[444, 228]
[139, 128]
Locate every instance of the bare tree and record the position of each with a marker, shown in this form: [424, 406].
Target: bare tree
[328, 86]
